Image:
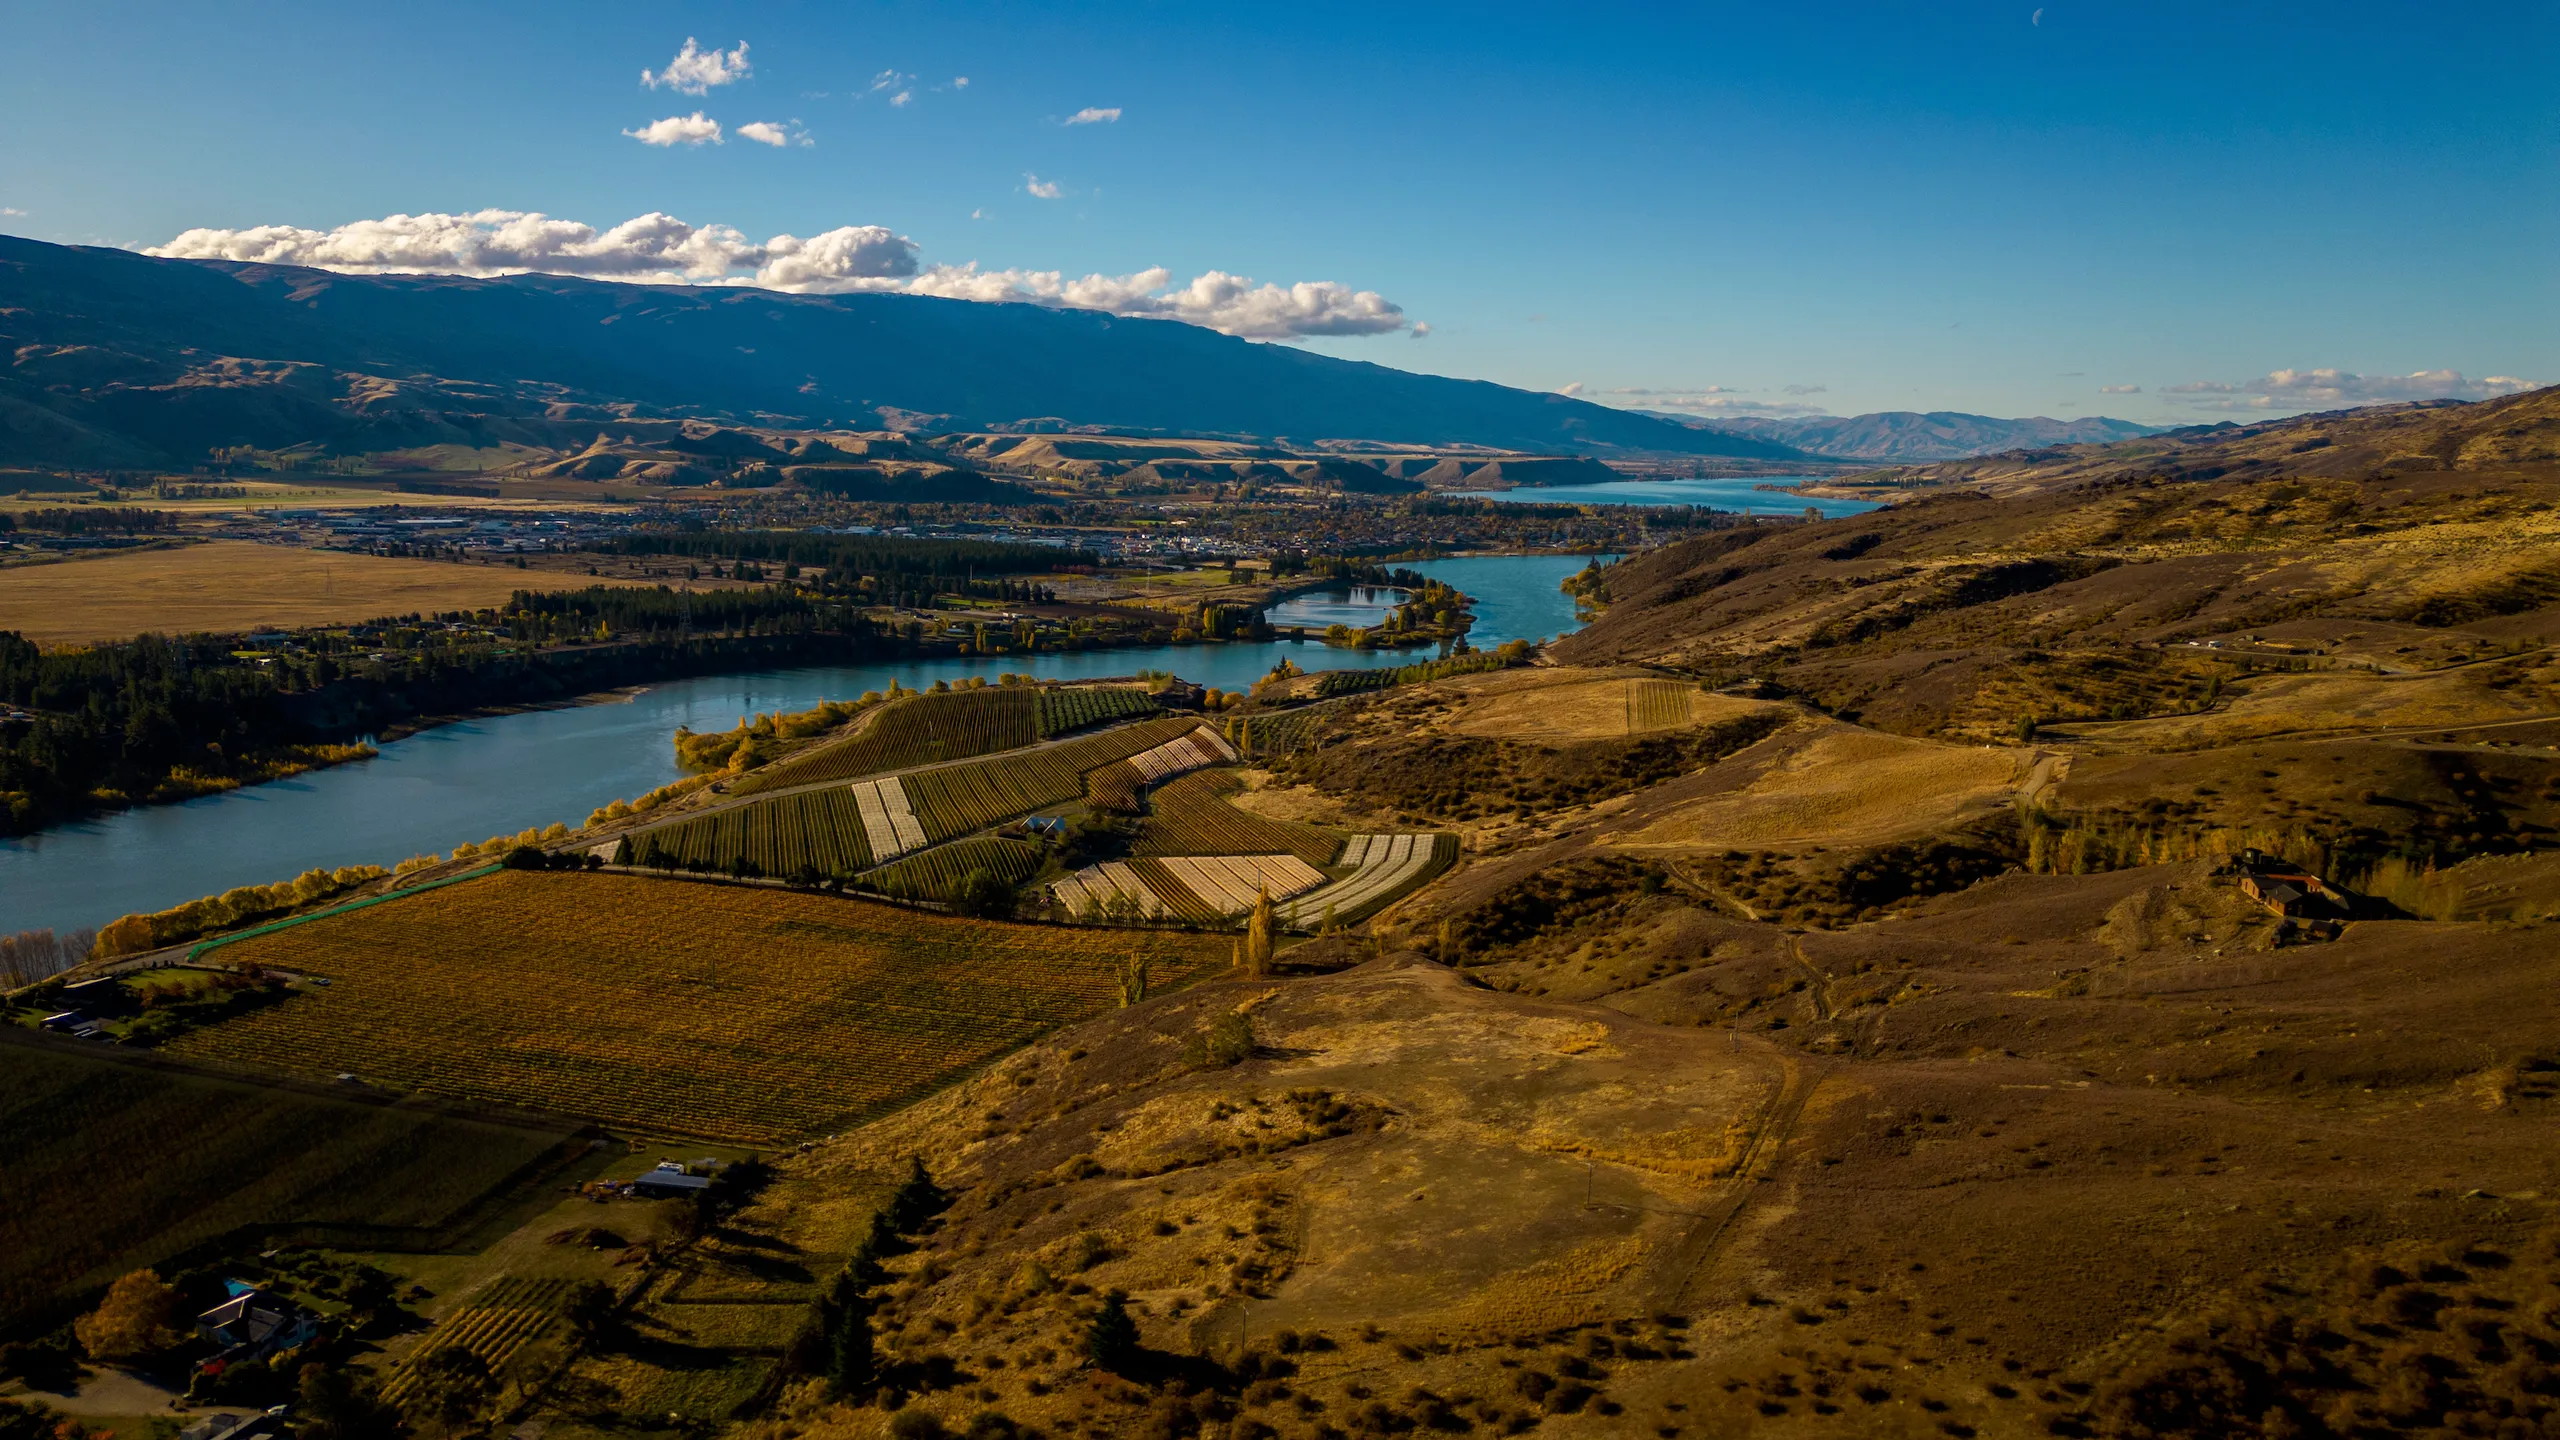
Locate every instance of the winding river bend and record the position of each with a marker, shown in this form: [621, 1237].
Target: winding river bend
[476, 778]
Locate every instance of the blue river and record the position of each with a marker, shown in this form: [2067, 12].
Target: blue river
[477, 778]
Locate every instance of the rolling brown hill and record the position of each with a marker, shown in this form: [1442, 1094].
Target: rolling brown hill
[2096, 588]
[2432, 437]
[1781, 1097]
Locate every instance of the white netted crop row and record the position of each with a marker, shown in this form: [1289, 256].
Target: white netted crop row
[1229, 884]
[888, 821]
[1388, 864]
[1097, 886]
[1181, 756]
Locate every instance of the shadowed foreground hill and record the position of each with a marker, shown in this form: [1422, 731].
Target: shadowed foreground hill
[120, 358]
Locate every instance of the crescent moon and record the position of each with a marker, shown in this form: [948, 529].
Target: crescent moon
[2037, 19]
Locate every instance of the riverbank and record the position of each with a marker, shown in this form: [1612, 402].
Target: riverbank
[341, 722]
[500, 774]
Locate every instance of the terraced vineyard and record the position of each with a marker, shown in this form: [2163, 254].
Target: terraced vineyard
[1230, 884]
[936, 874]
[958, 799]
[1201, 889]
[1191, 816]
[513, 1314]
[918, 730]
[1352, 682]
[1116, 890]
[1182, 754]
[821, 832]
[744, 1015]
[843, 831]
[1073, 707]
[1284, 733]
[924, 729]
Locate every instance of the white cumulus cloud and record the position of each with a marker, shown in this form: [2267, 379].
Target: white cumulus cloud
[1095, 115]
[766, 132]
[1043, 189]
[849, 257]
[695, 70]
[662, 249]
[2331, 389]
[693, 129]
[654, 247]
[2119, 389]
[1220, 301]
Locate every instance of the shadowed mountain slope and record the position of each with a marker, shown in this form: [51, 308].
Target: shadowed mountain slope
[120, 358]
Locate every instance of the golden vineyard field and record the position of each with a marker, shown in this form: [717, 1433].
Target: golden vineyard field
[728, 1013]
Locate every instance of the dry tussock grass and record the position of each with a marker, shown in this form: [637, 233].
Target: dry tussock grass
[1553, 1294]
[1848, 787]
[2299, 704]
[1560, 705]
[1695, 1153]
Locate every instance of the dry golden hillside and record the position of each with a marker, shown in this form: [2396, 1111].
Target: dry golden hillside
[2514, 432]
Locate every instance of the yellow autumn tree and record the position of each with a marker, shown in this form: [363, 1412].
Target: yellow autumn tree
[1258, 935]
[132, 1322]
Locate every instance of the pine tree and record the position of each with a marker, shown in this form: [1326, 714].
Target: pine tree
[852, 1361]
[1111, 1342]
[918, 1200]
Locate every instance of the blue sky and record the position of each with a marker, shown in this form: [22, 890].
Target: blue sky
[1842, 207]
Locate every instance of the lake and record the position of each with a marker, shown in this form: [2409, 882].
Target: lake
[1733, 493]
[1353, 605]
[477, 778]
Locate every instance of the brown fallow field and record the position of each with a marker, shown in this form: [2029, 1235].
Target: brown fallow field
[229, 586]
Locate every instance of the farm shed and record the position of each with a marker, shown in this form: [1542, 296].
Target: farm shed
[2288, 890]
[661, 1184]
[105, 996]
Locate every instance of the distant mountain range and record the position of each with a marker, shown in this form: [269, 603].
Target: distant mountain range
[1907, 435]
[110, 358]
